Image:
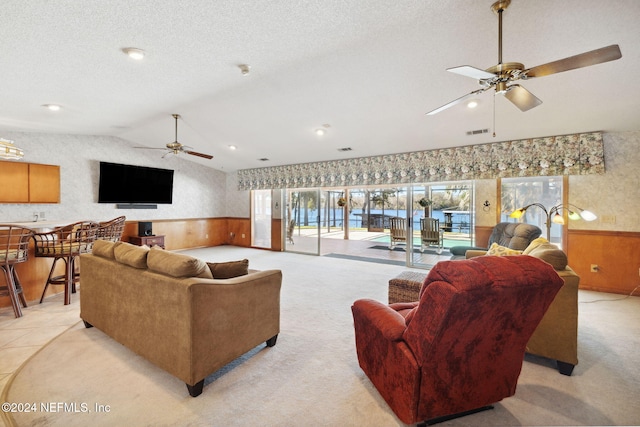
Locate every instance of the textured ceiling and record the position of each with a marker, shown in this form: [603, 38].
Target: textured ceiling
[369, 68]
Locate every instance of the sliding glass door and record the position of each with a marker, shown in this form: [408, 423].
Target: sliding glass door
[449, 205]
[303, 216]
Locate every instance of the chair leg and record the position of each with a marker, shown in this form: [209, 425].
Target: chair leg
[11, 289]
[68, 281]
[565, 368]
[453, 416]
[18, 287]
[46, 285]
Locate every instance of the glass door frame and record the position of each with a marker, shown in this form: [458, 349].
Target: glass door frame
[287, 211]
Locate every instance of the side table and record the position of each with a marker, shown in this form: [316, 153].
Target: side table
[406, 286]
[147, 240]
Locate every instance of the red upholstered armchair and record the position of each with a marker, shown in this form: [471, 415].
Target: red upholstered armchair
[460, 348]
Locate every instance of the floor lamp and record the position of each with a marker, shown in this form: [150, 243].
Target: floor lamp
[553, 214]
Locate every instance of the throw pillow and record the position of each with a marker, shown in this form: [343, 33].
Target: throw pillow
[104, 248]
[551, 254]
[534, 244]
[131, 255]
[228, 270]
[497, 250]
[177, 265]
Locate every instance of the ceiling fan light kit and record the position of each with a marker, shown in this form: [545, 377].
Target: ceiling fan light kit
[501, 76]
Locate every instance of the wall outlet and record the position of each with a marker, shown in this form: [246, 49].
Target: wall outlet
[608, 219]
[243, 235]
[594, 268]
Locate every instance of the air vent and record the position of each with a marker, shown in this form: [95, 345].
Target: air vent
[477, 132]
[264, 159]
[345, 149]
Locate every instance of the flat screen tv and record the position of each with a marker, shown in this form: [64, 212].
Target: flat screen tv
[134, 184]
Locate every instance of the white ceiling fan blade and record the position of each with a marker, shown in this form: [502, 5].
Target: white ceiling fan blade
[473, 72]
[521, 97]
[455, 102]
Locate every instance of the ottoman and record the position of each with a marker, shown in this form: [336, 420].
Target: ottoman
[406, 286]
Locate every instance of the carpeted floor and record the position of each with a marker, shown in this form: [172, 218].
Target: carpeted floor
[311, 377]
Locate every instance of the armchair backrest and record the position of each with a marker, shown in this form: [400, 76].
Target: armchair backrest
[470, 329]
[514, 235]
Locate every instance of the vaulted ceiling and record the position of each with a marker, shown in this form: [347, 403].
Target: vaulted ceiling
[367, 69]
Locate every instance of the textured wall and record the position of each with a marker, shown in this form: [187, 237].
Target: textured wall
[198, 192]
[238, 201]
[614, 196]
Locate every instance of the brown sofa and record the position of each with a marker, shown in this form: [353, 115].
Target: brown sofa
[556, 337]
[168, 308]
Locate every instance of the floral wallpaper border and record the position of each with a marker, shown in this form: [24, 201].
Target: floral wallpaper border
[577, 154]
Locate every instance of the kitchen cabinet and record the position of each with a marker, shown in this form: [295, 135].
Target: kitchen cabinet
[29, 183]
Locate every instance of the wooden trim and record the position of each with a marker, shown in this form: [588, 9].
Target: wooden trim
[616, 253]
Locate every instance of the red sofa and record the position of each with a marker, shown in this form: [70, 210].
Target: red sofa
[461, 347]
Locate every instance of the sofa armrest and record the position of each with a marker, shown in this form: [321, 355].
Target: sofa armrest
[380, 317]
[472, 253]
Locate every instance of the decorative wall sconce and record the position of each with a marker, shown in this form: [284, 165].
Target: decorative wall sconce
[486, 206]
[9, 151]
[553, 214]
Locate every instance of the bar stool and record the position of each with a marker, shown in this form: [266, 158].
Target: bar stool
[14, 249]
[65, 243]
[111, 230]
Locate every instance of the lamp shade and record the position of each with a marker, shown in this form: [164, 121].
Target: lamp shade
[588, 215]
[573, 215]
[517, 213]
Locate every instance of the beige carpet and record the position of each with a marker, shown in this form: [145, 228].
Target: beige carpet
[311, 377]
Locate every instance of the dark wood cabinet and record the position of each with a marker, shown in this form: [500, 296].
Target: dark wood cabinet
[147, 240]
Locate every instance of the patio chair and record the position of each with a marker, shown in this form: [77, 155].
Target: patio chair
[431, 234]
[290, 228]
[398, 230]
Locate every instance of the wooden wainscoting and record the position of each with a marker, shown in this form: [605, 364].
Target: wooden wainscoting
[616, 253]
[482, 236]
[185, 233]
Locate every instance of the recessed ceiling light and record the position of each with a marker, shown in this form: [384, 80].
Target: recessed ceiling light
[320, 132]
[232, 147]
[134, 53]
[472, 104]
[52, 107]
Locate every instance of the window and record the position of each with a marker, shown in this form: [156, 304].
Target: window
[520, 192]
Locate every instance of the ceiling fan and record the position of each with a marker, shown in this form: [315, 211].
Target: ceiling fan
[500, 76]
[176, 148]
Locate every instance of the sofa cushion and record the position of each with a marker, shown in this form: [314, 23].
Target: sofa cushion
[131, 255]
[105, 248]
[228, 270]
[497, 250]
[177, 265]
[551, 254]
